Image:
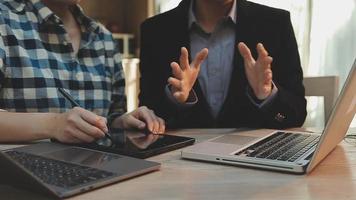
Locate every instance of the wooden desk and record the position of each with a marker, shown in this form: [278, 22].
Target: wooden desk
[334, 178]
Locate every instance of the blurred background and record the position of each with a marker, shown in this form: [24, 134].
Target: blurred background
[325, 32]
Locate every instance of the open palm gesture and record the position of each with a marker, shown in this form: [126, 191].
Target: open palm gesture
[185, 74]
[258, 72]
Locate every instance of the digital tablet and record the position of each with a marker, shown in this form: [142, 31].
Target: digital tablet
[140, 144]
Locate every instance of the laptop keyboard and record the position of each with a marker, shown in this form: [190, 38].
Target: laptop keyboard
[58, 173]
[282, 146]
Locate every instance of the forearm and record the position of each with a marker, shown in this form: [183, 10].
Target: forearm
[20, 127]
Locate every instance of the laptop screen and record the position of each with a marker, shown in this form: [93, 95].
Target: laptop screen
[339, 120]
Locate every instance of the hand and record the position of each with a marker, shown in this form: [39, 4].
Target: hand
[141, 118]
[185, 75]
[258, 72]
[78, 126]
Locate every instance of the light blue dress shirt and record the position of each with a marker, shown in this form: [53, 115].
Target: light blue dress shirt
[216, 70]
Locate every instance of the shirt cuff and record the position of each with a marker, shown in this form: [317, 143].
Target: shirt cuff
[191, 101]
[265, 102]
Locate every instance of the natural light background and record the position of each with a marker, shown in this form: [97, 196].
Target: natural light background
[326, 35]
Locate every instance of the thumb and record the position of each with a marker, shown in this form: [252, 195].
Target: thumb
[245, 53]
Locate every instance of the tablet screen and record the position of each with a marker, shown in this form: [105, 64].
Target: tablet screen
[140, 144]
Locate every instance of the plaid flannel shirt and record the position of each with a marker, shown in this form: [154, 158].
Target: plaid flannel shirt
[37, 57]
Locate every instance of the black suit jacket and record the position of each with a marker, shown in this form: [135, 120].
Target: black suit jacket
[163, 35]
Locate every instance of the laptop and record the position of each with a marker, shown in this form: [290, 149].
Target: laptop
[61, 171]
[288, 151]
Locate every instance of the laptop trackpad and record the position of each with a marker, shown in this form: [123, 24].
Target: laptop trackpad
[83, 157]
[235, 139]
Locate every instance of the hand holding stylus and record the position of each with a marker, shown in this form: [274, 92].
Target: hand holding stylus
[79, 125]
[87, 126]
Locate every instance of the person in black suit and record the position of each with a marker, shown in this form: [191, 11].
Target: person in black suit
[246, 71]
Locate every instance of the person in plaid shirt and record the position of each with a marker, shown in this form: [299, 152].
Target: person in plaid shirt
[51, 44]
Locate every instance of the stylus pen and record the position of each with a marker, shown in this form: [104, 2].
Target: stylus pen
[74, 103]
[68, 97]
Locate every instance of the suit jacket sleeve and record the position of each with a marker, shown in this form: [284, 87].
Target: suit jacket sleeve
[152, 85]
[289, 108]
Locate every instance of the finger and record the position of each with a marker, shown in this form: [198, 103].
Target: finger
[268, 73]
[162, 125]
[93, 119]
[101, 123]
[176, 70]
[146, 117]
[95, 130]
[89, 129]
[199, 58]
[133, 122]
[184, 58]
[83, 137]
[103, 120]
[177, 84]
[155, 122]
[268, 76]
[267, 61]
[245, 53]
[262, 52]
[78, 121]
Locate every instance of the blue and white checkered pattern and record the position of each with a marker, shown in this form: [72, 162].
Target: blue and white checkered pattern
[36, 58]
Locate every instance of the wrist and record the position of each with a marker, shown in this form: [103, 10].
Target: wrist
[262, 94]
[51, 125]
[182, 98]
[189, 97]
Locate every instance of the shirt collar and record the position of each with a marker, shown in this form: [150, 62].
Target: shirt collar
[45, 14]
[85, 22]
[192, 19]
